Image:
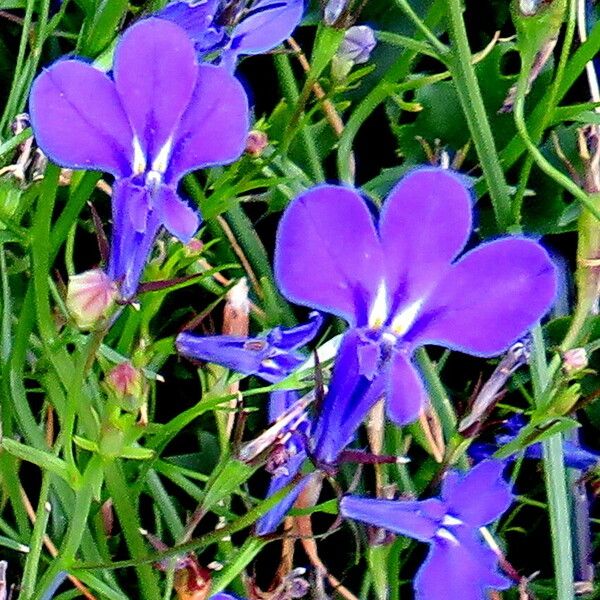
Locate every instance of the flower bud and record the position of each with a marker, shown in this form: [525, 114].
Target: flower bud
[90, 296]
[355, 49]
[126, 382]
[193, 248]
[574, 360]
[357, 45]
[256, 142]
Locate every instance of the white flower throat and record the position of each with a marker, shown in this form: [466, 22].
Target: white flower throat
[399, 323]
[154, 176]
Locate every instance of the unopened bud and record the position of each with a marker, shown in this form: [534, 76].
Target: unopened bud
[90, 296]
[193, 247]
[355, 49]
[256, 142]
[574, 360]
[357, 45]
[126, 382]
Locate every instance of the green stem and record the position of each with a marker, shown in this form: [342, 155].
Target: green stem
[437, 393]
[555, 477]
[519, 110]
[37, 540]
[469, 93]
[128, 517]
[292, 95]
[382, 90]
[421, 26]
[77, 526]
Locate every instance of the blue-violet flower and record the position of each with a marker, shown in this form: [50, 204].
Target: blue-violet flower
[271, 357]
[160, 116]
[235, 28]
[399, 286]
[459, 563]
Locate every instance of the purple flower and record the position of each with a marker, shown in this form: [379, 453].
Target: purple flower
[576, 457]
[272, 357]
[459, 563]
[235, 28]
[287, 465]
[159, 117]
[399, 286]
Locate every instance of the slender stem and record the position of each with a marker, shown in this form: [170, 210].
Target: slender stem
[467, 87]
[37, 540]
[291, 93]
[421, 26]
[382, 90]
[555, 475]
[128, 517]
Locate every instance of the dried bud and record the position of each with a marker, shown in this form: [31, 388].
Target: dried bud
[574, 360]
[90, 296]
[256, 142]
[192, 582]
[277, 463]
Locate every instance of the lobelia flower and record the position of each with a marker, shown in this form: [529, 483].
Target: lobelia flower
[576, 456]
[160, 116]
[271, 357]
[399, 286]
[235, 28]
[459, 563]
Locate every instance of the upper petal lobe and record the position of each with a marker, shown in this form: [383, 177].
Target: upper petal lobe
[78, 119]
[268, 23]
[478, 497]
[489, 298]
[328, 255]
[155, 73]
[424, 224]
[214, 128]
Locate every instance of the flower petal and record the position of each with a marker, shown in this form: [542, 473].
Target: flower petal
[268, 23]
[349, 399]
[78, 120]
[269, 522]
[176, 215]
[465, 569]
[489, 298]
[290, 338]
[129, 249]
[417, 519]
[484, 483]
[155, 73]
[424, 224]
[214, 129]
[328, 255]
[240, 354]
[280, 401]
[406, 393]
[197, 19]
